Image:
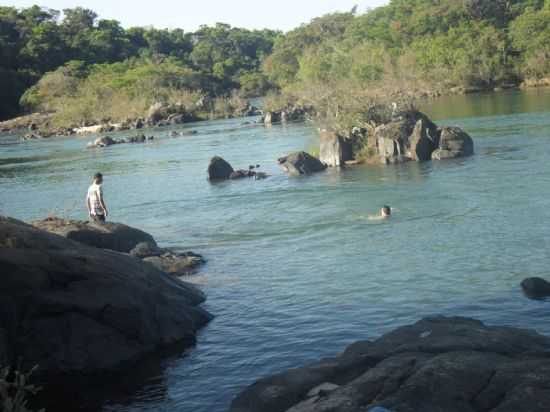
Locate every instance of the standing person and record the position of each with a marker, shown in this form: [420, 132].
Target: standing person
[94, 200]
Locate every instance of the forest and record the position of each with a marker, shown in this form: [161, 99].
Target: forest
[76, 63]
[53, 60]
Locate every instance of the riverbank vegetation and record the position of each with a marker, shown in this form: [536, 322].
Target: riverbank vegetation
[87, 69]
[345, 63]
[39, 47]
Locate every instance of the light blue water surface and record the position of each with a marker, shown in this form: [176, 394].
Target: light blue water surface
[295, 269]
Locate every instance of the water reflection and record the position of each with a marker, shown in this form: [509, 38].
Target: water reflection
[488, 104]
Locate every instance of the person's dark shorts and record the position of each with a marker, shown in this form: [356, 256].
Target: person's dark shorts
[98, 218]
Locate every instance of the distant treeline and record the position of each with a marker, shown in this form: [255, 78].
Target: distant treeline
[35, 41]
[336, 62]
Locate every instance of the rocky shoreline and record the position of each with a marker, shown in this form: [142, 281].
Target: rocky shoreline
[93, 285]
[39, 125]
[440, 363]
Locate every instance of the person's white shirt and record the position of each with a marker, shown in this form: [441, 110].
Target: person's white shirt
[94, 196]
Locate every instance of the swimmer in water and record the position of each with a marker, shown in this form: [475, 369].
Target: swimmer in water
[385, 213]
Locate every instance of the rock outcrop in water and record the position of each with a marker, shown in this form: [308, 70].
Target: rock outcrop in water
[125, 239]
[75, 309]
[404, 137]
[535, 288]
[301, 163]
[437, 364]
[335, 150]
[106, 141]
[220, 169]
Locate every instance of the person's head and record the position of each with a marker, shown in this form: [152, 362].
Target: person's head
[385, 211]
[98, 178]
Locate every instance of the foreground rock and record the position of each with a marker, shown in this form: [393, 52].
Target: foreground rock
[301, 163]
[437, 364]
[535, 288]
[112, 236]
[106, 141]
[220, 169]
[125, 239]
[76, 309]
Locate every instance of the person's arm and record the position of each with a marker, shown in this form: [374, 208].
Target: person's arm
[88, 204]
[102, 202]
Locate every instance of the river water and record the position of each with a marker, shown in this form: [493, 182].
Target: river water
[295, 269]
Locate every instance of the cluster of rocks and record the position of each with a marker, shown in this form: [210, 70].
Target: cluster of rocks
[75, 308]
[124, 239]
[407, 136]
[293, 113]
[182, 133]
[109, 141]
[295, 164]
[437, 364]
[301, 163]
[220, 169]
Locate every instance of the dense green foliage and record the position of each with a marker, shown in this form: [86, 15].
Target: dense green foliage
[35, 41]
[342, 62]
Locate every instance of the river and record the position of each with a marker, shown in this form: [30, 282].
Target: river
[295, 269]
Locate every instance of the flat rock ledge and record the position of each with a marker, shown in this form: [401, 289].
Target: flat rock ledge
[125, 239]
[73, 309]
[446, 364]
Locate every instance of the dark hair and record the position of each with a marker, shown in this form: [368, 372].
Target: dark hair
[98, 176]
[387, 209]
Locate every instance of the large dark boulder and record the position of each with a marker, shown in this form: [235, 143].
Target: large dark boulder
[437, 364]
[219, 169]
[535, 288]
[109, 235]
[75, 309]
[453, 142]
[301, 163]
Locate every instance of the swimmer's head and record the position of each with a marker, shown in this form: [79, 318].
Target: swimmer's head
[385, 211]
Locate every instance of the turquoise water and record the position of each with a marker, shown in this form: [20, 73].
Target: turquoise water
[295, 269]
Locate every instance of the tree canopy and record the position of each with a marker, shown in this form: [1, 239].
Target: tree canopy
[35, 41]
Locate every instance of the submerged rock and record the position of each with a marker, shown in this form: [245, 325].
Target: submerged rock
[174, 133]
[301, 163]
[32, 136]
[535, 288]
[146, 249]
[109, 141]
[437, 364]
[75, 309]
[176, 264]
